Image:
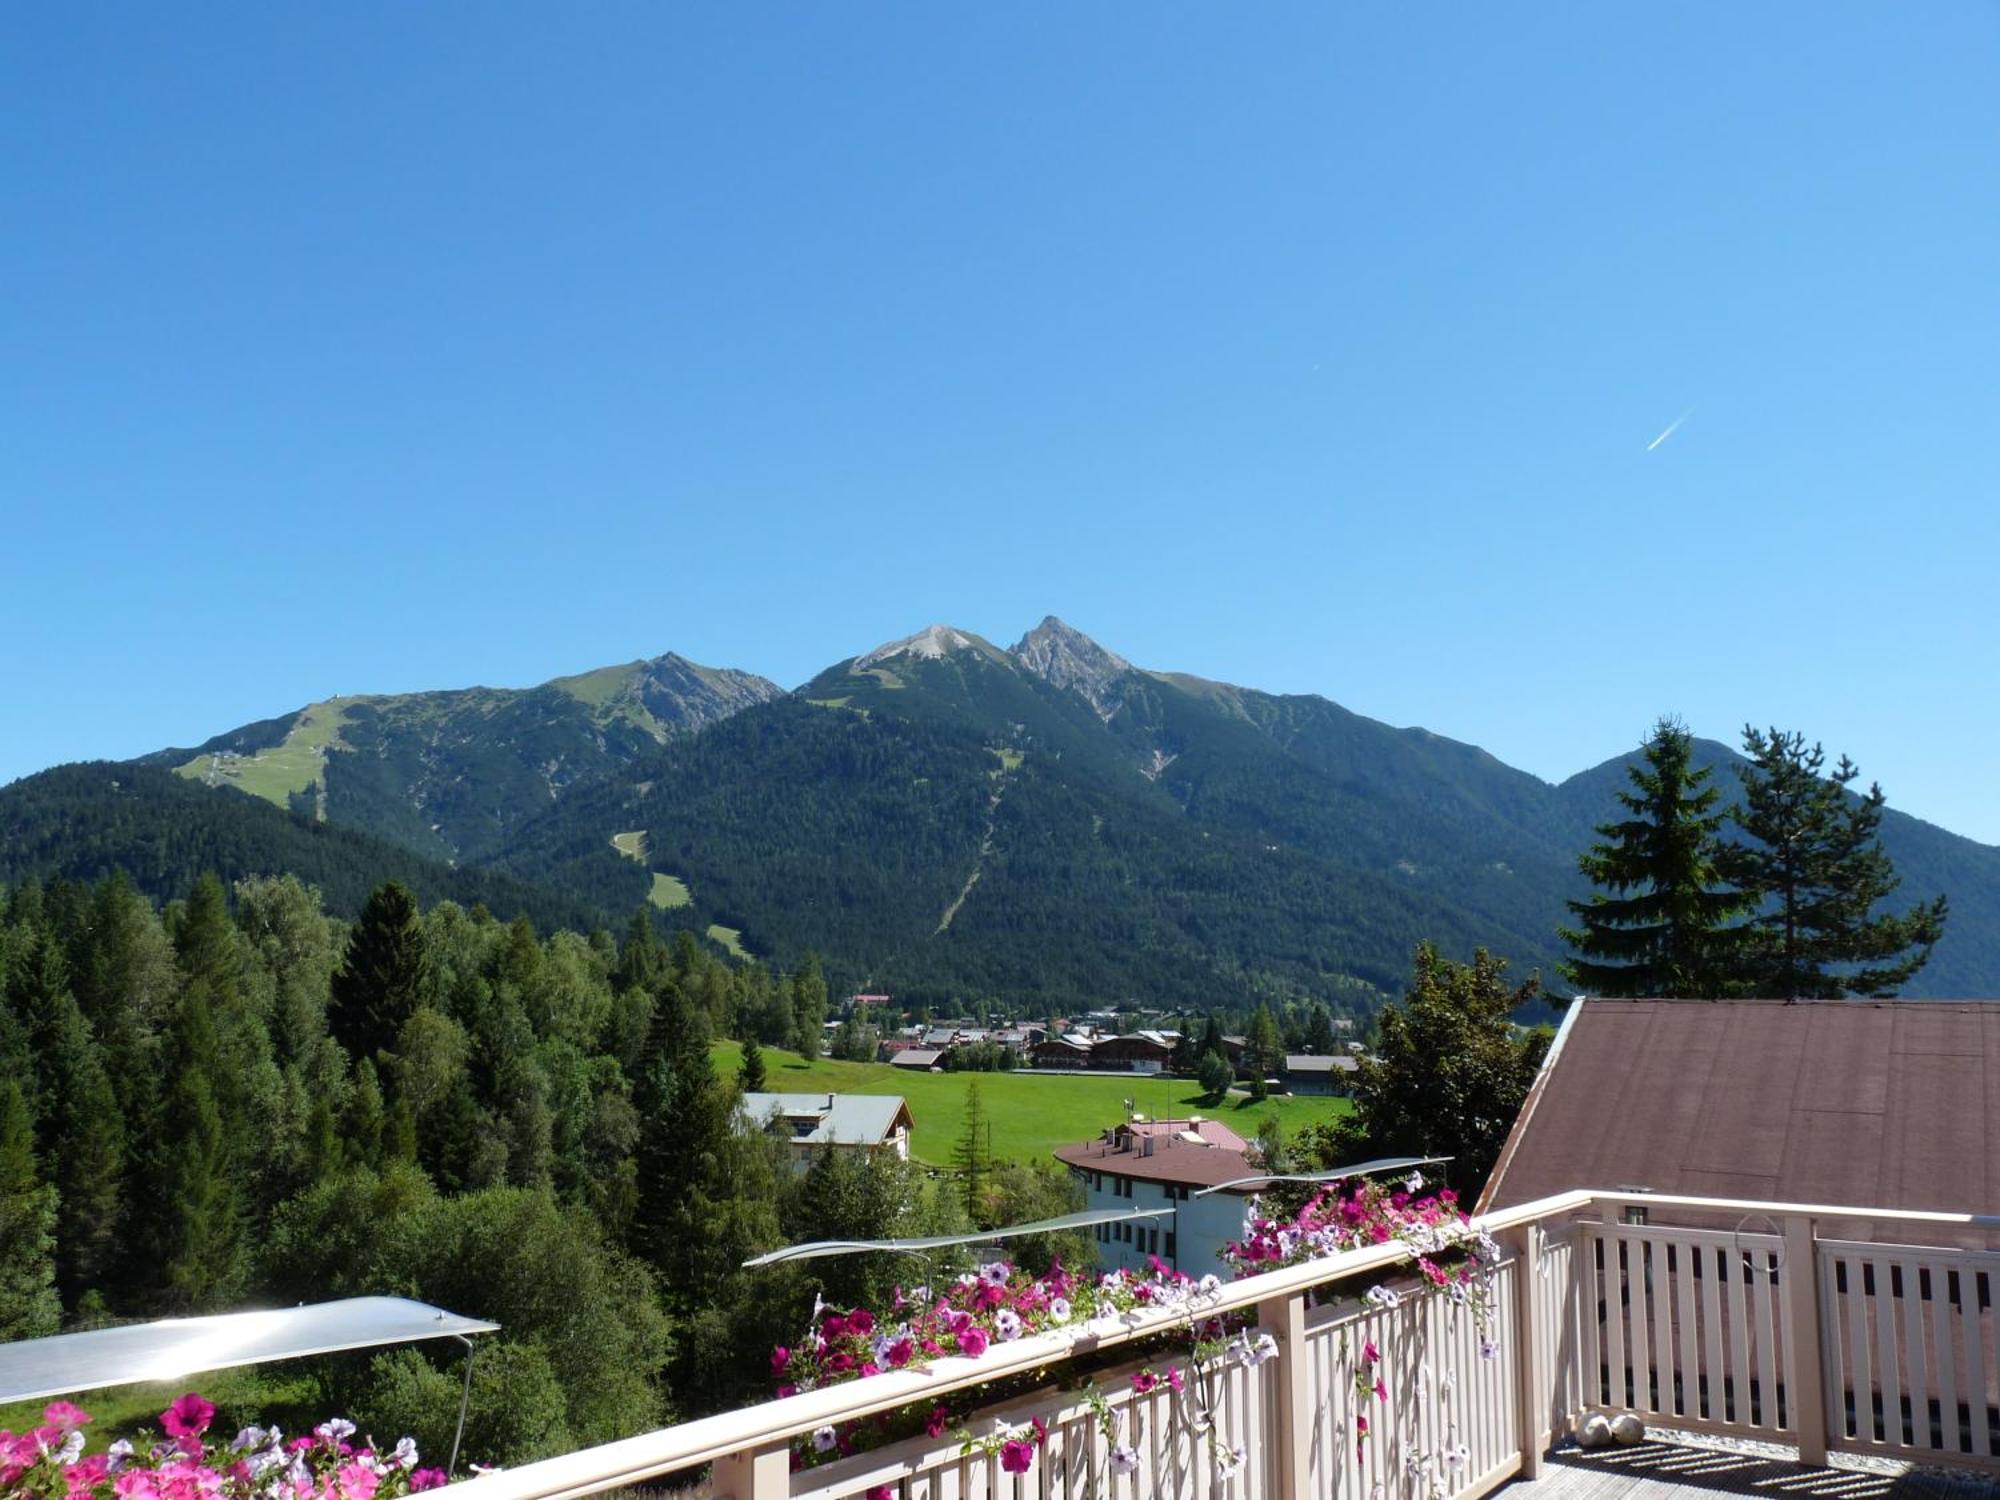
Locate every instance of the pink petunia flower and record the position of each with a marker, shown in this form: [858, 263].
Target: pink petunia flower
[187, 1417]
[65, 1415]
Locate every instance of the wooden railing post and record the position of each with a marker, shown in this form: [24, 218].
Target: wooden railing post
[1531, 1389]
[1284, 1318]
[754, 1474]
[1806, 1389]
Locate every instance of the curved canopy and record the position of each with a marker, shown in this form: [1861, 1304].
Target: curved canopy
[1359, 1169]
[819, 1248]
[167, 1350]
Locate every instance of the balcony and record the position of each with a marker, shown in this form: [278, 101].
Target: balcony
[1787, 1336]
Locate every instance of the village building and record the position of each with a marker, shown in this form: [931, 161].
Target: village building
[1163, 1164]
[840, 1122]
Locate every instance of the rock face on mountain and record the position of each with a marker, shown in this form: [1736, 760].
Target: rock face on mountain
[1068, 658]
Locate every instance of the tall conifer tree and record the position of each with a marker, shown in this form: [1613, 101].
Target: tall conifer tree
[385, 974]
[29, 1306]
[1660, 921]
[80, 1131]
[1814, 856]
[198, 1238]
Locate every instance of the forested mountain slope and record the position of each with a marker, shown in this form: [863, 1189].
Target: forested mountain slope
[945, 817]
[452, 774]
[81, 822]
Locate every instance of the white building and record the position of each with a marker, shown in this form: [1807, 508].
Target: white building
[846, 1122]
[1162, 1164]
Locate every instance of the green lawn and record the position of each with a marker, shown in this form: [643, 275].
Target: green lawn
[1031, 1114]
[285, 1390]
[295, 765]
[729, 939]
[667, 892]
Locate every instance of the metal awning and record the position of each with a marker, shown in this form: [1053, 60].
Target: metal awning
[1337, 1174]
[1085, 1220]
[167, 1350]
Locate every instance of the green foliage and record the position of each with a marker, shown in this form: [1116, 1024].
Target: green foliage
[87, 821]
[1215, 1075]
[1660, 922]
[516, 1413]
[1024, 1191]
[385, 975]
[808, 1007]
[29, 1306]
[1813, 855]
[751, 1076]
[1449, 1073]
[195, 1209]
[972, 1158]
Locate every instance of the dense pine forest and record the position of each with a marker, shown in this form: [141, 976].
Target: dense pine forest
[238, 1098]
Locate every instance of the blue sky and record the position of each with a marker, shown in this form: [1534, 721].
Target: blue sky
[1317, 347]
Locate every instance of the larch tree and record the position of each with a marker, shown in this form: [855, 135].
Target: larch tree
[1661, 922]
[1813, 857]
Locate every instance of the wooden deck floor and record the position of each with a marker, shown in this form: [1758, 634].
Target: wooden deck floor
[1669, 1471]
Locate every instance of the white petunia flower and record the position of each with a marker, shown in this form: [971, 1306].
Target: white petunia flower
[824, 1439]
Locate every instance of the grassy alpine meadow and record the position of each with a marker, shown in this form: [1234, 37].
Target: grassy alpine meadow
[1031, 1113]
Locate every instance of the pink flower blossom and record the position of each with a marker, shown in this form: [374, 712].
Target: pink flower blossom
[187, 1417]
[65, 1416]
[1017, 1457]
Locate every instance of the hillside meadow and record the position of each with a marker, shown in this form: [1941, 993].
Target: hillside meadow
[1030, 1113]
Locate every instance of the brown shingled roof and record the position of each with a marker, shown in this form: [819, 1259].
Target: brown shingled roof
[1172, 1160]
[1889, 1103]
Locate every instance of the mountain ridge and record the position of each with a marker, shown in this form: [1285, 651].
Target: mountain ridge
[944, 814]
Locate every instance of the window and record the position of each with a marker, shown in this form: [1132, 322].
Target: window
[1173, 1249]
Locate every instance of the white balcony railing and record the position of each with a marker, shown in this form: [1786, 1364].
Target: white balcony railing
[1778, 1334]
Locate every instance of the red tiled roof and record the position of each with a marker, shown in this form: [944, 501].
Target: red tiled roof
[1873, 1103]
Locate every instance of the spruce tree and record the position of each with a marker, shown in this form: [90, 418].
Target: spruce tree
[29, 1306]
[1659, 922]
[385, 974]
[197, 1241]
[752, 1074]
[972, 1156]
[80, 1131]
[641, 957]
[1814, 858]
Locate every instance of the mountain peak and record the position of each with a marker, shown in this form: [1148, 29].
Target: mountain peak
[929, 644]
[1067, 658]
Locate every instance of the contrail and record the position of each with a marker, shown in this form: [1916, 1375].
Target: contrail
[1670, 429]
